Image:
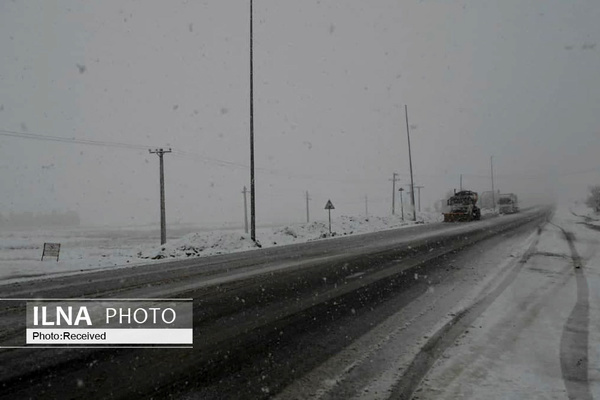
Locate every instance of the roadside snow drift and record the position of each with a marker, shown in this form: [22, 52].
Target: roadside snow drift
[215, 242]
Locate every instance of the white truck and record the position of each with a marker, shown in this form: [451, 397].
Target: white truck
[508, 203]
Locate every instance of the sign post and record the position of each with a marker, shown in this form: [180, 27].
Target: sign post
[51, 250]
[329, 206]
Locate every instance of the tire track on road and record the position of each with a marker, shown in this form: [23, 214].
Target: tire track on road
[574, 341]
[448, 334]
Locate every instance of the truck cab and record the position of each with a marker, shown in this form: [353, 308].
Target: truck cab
[463, 207]
[508, 203]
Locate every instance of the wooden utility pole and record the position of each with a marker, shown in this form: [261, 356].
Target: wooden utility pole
[307, 211]
[401, 202]
[412, 185]
[163, 219]
[245, 210]
[394, 180]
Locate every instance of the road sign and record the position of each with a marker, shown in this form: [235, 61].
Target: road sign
[51, 250]
[329, 206]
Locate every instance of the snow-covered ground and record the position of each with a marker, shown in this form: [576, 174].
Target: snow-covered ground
[590, 216]
[82, 249]
[100, 248]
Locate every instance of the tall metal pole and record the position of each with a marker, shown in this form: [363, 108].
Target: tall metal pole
[252, 189]
[245, 210]
[163, 218]
[493, 193]
[461, 182]
[366, 206]
[412, 185]
[307, 212]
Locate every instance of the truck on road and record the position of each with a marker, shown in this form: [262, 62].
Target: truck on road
[508, 203]
[463, 207]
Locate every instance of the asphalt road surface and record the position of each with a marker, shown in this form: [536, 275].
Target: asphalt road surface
[350, 317]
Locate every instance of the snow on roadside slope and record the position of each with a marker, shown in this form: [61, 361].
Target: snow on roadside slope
[211, 243]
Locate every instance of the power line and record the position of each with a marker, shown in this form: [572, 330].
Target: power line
[62, 139]
[211, 160]
[177, 153]
[180, 153]
[231, 164]
[287, 174]
[35, 136]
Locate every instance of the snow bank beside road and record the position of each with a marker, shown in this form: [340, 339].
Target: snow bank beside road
[86, 249]
[211, 243]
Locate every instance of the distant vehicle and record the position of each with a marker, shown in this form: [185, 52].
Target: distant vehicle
[508, 203]
[463, 207]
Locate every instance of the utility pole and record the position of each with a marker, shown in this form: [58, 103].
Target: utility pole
[307, 212]
[412, 185]
[252, 189]
[409, 193]
[493, 193]
[419, 195]
[401, 202]
[461, 182]
[245, 210]
[394, 180]
[163, 219]
[366, 206]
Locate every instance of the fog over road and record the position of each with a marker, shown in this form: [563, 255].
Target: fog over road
[362, 316]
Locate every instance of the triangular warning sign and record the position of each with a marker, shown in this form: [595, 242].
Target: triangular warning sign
[329, 205]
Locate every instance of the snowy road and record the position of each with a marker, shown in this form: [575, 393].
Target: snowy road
[541, 337]
[337, 318]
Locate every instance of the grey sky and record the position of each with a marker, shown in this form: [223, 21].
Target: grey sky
[514, 79]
